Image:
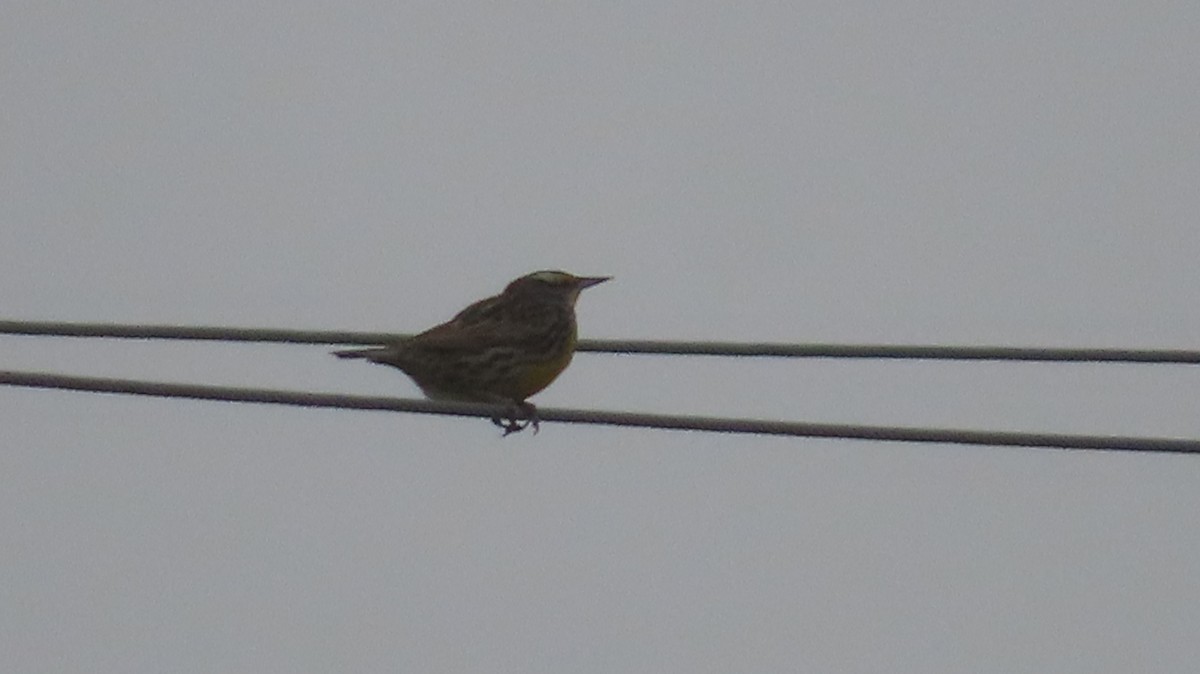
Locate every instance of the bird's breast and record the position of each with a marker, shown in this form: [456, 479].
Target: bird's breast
[539, 375]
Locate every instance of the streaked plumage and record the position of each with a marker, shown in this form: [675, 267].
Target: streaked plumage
[502, 349]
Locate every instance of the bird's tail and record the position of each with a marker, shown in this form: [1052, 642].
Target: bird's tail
[370, 354]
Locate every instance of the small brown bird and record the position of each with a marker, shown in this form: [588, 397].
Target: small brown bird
[502, 349]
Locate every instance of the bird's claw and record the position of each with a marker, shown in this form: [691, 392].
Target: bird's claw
[521, 416]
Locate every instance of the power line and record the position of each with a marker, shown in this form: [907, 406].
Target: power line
[660, 421]
[624, 346]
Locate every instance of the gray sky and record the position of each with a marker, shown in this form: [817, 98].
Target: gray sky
[1020, 173]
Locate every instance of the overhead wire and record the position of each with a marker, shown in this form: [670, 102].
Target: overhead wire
[623, 346]
[629, 419]
[674, 422]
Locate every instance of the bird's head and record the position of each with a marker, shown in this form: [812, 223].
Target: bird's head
[557, 284]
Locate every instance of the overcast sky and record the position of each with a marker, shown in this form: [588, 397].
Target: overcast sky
[1019, 173]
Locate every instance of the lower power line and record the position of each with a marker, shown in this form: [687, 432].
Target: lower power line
[631, 419]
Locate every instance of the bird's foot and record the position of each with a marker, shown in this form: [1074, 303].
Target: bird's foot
[522, 415]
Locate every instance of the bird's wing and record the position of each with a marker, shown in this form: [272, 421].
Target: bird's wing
[455, 336]
[486, 323]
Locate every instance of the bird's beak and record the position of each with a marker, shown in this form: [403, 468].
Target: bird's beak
[589, 281]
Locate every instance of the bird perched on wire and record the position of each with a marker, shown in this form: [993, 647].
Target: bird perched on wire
[502, 349]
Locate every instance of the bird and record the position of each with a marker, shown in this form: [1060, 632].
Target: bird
[502, 349]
